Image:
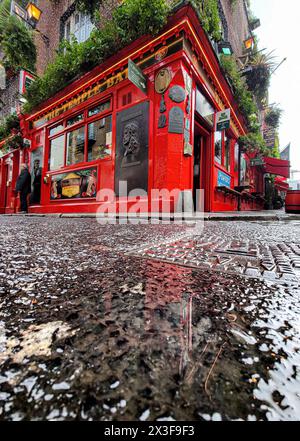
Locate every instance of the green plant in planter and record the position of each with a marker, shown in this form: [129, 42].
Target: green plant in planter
[13, 143]
[8, 124]
[273, 116]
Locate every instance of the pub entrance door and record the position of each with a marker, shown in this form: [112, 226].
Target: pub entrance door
[201, 171]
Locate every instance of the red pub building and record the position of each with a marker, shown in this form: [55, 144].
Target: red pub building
[102, 129]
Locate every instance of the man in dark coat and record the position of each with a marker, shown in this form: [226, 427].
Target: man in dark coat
[23, 187]
[35, 197]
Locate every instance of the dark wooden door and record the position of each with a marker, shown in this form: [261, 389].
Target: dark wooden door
[132, 144]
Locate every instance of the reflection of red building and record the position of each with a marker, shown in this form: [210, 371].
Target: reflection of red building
[163, 139]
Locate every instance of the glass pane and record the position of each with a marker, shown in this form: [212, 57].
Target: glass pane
[227, 153]
[36, 164]
[100, 139]
[236, 157]
[244, 172]
[204, 108]
[56, 129]
[75, 146]
[75, 119]
[100, 108]
[218, 147]
[57, 153]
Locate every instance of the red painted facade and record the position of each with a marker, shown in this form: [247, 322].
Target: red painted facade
[102, 101]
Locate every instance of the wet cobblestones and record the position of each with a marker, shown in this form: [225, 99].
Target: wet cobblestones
[147, 322]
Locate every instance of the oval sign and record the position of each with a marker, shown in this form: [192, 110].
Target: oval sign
[162, 80]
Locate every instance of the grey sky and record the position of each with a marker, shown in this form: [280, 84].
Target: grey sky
[280, 21]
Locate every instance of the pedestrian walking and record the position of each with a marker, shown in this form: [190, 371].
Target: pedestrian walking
[23, 187]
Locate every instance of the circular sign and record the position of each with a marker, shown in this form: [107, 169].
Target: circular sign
[177, 94]
[162, 80]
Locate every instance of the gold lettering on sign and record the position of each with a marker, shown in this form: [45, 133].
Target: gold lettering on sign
[85, 95]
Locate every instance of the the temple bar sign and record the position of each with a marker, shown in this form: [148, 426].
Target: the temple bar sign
[223, 120]
[136, 76]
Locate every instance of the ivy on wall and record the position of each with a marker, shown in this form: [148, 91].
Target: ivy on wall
[16, 41]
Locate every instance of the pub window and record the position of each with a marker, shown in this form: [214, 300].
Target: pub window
[57, 153]
[227, 153]
[78, 25]
[100, 139]
[56, 129]
[218, 147]
[236, 158]
[75, 119]
[99, 109]
[75, 146]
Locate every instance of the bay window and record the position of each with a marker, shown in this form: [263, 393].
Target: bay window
[82, 138]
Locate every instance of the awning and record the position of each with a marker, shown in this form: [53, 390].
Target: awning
[281, 184]
[277, 167]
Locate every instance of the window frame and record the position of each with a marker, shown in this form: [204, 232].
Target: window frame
[77, 125]
[222, 164]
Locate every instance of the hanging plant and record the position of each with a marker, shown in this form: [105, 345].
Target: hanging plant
[257, 73]
[273, 116]
[253, 142]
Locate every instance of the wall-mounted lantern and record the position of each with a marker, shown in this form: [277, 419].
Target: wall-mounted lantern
[249, 43]
[33, 14]
[225, 48]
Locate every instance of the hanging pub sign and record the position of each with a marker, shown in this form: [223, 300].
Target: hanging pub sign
[256, 162]
[223, 120]
[136, 76]
[25, 80]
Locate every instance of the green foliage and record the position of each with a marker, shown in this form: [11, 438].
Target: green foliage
[240, 89]
[258, 74]
[273, 116]
[89, 6]
[13, 143]
[16, 41]
[253, 142]
[208, 12]
[8, 124]
[131, 20]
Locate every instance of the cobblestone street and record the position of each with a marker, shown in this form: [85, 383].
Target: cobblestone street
[149, 322]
